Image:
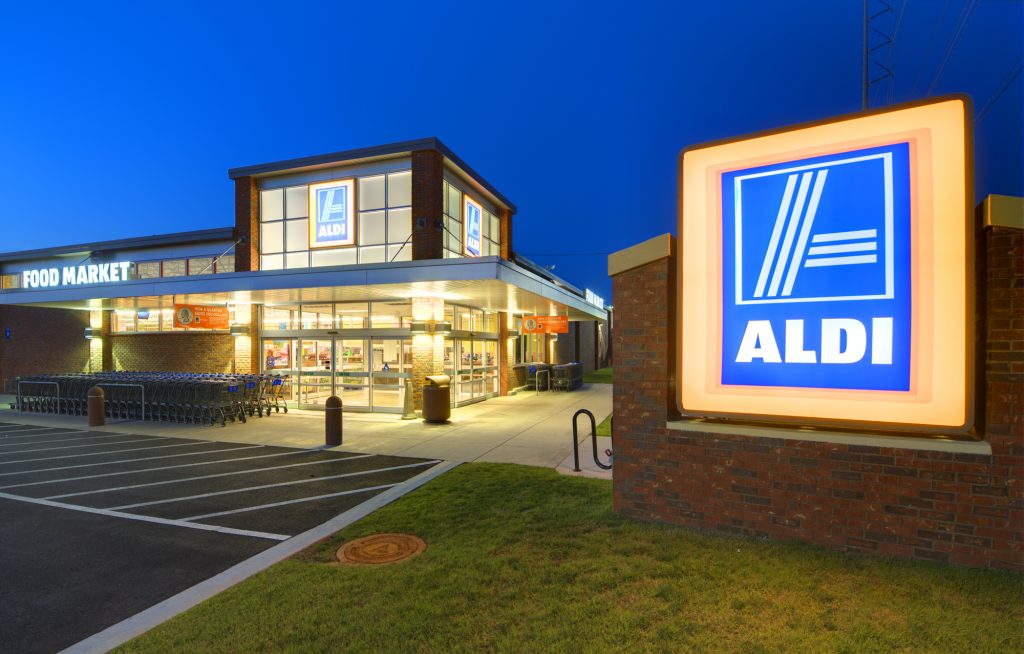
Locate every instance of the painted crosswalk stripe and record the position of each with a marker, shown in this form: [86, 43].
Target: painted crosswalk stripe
[74, 447]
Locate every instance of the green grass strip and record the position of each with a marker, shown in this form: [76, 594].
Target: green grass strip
[522, 559]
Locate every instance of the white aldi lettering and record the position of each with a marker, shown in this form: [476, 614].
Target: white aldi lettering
[817, 272]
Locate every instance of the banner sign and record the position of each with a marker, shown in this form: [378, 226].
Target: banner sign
[201, 316]
[546, 324]
[332, 220]
[93, 273]
[826, 272]
[473, 227]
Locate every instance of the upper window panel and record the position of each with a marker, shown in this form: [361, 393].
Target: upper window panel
[271, 205]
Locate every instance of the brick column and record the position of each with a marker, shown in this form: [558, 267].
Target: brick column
[427, 205]
[427, 359]
[505, 226]
[247, 224]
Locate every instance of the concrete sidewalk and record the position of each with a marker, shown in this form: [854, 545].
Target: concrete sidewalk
[527, 428]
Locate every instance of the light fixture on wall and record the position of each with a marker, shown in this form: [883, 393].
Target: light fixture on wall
[239, 330]
[92, 332]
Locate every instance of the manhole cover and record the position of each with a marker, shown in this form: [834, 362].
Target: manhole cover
[380, 548]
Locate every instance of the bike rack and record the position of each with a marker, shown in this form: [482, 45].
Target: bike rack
[593, 440]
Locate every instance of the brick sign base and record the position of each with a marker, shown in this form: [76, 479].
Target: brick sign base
[954, 507]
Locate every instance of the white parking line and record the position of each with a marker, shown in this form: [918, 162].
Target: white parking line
[65, 440]
[287, 502]
[140, 623]
[144, 518]
[296, 482]
[205, 463]
[71, 447]
[75, 456]
[23, 428]
[110, 463]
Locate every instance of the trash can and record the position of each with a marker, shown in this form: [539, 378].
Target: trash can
[437, 398]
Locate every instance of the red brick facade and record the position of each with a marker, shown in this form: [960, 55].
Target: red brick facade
[247, 224]
[427, 205]
[42, 341]
[964, 509]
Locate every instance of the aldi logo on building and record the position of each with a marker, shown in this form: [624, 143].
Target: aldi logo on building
[332, 214]
[827, 272]
[817, 275]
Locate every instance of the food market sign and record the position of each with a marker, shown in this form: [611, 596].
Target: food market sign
[93, 273]
[826, 272]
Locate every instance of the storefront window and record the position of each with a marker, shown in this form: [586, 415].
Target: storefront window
[391, 314]
[383, 225]
[490, 322]
[279, 318]
[317, 316]
[122, 322]
[351, 315]
[147, 269]
[147, 321]
[174, 268]
[200, 266]
[277, 354]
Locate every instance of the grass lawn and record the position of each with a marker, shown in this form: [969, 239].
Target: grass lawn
[523, 560]
[599, 376]
[604, 428]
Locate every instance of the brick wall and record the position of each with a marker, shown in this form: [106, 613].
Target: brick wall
[247, 224]
[964, 509]
[42, 341]
[427, 205]
[177, 352]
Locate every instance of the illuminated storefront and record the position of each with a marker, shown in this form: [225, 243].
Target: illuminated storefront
[350, 273]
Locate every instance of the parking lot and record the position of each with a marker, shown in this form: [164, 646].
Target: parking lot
[97, 526]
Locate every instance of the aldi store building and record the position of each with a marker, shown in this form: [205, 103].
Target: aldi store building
[349, 272]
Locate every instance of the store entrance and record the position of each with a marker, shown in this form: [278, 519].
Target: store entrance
[368, 374]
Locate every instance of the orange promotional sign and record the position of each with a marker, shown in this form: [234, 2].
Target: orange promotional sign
[201, 316]
[546, 325]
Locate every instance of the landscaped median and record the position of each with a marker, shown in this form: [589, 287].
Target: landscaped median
[522, 559]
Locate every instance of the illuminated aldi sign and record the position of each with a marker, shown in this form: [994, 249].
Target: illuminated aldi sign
[332, 220]
[474, 224]
[826, 272]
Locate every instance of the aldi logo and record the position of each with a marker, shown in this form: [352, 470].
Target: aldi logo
[332, 214]
[826, 273]
[816, 257]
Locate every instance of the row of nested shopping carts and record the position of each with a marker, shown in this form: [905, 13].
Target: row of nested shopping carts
[163, 396]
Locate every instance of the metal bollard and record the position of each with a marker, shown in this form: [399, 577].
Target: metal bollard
[95, 407]
[409, 413]
[332, 420]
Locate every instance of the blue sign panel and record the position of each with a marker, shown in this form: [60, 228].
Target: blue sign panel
[816, 272]
[474, 222]
[334, 216]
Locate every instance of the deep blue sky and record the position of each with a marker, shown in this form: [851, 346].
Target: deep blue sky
[121, 120]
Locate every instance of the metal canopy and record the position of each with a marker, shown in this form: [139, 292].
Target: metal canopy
[487, 282]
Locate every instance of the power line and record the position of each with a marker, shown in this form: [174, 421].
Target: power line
[988, 105]
[965, 17]
[891, 96]
[931, 41]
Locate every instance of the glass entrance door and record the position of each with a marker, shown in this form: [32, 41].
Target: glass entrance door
[316, 368]
[367, 374]
[352, 375]
[391, 366]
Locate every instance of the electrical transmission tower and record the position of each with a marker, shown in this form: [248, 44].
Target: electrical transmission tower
[880, 29]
